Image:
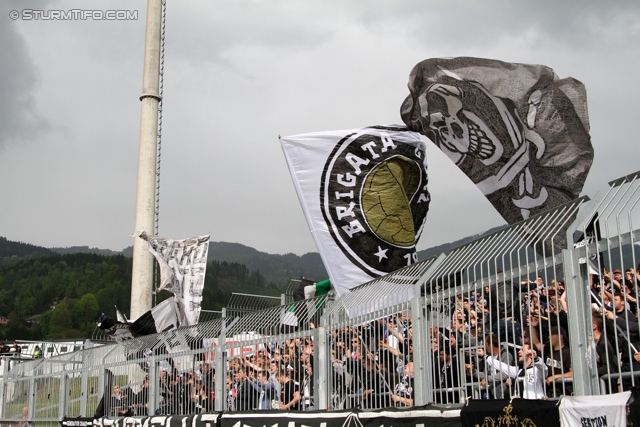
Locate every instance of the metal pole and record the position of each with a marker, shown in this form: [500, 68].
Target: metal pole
[3, 386]
[84, 387]
[154, 389]
[423, 384]
[142, 273]
[62, 397]
[221, 374]
[321, 370]
[585, 375]
[32, 400]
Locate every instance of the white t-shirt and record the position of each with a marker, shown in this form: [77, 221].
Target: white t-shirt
[532, 380]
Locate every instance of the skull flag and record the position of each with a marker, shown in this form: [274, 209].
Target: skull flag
[517, 131]
[364, 195]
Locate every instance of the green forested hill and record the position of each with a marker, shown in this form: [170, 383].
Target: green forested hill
[16, 251]
[276, 268]
[85, 285]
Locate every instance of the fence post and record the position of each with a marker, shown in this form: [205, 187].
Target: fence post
[32, 399]
[5, 374]
[581, 343]
[103, 391]
[422, 376]
[221, 374]
[84, 385]
[62, 398]
[322, 355]
[153, 385]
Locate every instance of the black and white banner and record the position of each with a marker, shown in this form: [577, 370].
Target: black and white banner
[183, 264]
[364, 195]
[200, 420]
[432, 416]
[517, 131]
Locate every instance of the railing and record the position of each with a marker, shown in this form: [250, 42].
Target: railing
[515, 313]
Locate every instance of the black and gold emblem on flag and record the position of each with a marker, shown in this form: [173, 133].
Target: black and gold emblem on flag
[515, 413]
[374, 198]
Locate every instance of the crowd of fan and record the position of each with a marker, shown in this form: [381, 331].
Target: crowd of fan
[275, 377]
[498, 343]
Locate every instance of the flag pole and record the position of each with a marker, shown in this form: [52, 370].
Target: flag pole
[142, 272]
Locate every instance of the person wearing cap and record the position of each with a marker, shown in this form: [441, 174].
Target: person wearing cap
[617, 276]
[558, 360]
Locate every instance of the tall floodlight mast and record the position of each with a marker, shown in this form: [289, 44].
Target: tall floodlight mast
[142, 273]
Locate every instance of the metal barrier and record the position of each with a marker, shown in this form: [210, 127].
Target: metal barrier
[534, 310]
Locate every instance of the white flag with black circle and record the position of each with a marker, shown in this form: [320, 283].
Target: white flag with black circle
[364, 195]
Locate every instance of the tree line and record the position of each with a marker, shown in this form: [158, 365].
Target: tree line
[68, 292]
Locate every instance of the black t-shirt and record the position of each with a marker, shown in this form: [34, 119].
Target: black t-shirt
[558, 361]
[288, 391]
[246, 397]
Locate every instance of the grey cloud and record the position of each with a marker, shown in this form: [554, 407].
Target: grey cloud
[20, 120]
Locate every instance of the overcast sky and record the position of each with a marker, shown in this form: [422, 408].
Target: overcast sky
[238, 74]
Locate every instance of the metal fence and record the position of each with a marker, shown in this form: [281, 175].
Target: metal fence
[536, 310]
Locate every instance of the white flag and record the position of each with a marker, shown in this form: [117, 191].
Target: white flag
[579, 411]
[182, 268]
[364, 195]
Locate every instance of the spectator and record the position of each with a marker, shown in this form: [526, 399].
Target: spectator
[267, 391]
[606, 357]
[290, 392]
[621, 323]
[494, 378]
[447, 379]
[530, 374]
[403, 393]
[37, 352]
[25, 416]
[120, 402]
[246, 395]
[558, 360]
[16, 349]
[140, 404]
